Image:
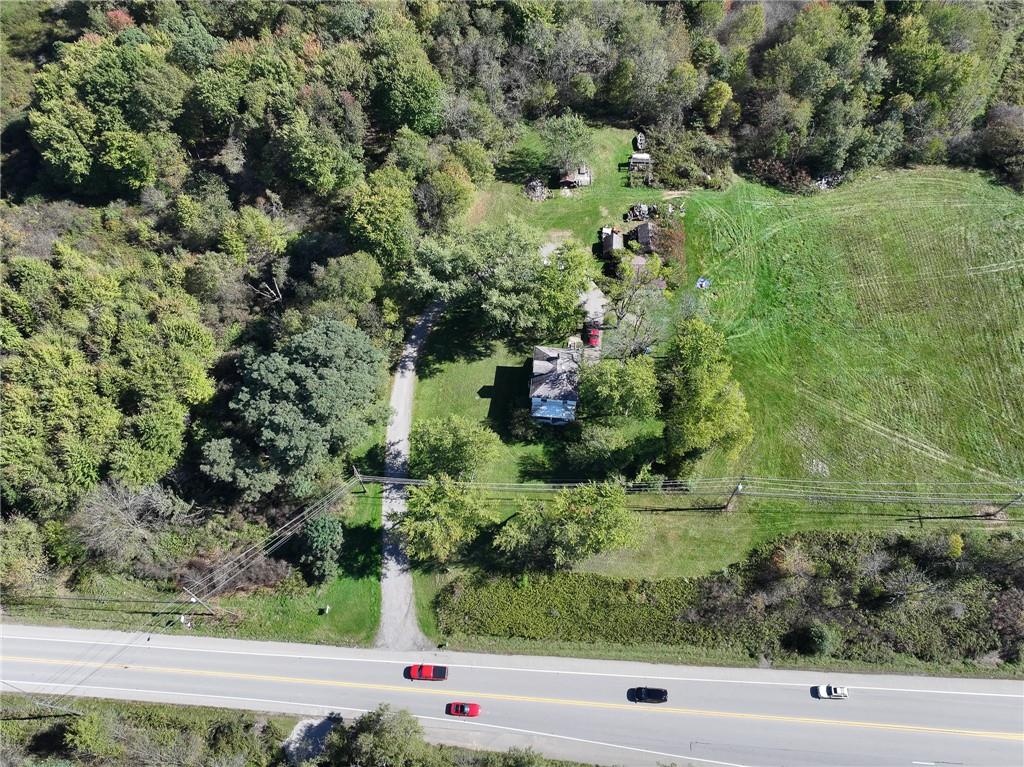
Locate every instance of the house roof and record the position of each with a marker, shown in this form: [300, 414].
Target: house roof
[645, 233]
[555, 373]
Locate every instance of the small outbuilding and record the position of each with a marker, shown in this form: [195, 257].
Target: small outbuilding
[639, 161]
[611, 240]
[577, 177]
[645, 236]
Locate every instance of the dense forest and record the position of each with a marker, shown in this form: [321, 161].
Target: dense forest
[218, 217]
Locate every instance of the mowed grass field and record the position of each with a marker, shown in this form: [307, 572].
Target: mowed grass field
[877, 330]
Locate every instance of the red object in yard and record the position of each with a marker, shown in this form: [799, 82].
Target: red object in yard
[592, 337]
[462, 709]
[427, 673]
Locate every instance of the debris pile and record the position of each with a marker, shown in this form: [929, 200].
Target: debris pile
[641, 211]
[535, 190]
[829, 182]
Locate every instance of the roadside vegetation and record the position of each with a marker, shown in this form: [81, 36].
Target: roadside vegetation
[123, 734]
[937, 601]
[116, 733]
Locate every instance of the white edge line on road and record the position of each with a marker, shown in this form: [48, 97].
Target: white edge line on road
[510, 668]
[363, 710]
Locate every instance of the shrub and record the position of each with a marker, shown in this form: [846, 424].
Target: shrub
[320, 544]
[777, 173]
[752, 606]
[954, 546]
[21, 553]
[91, 736]
[813, 638]
[63, 549]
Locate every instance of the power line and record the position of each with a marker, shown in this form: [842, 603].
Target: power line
[207, 587]
[933, 493]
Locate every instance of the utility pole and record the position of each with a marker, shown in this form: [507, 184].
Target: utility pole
[1008, 504]
[735, 492]
[359, 478]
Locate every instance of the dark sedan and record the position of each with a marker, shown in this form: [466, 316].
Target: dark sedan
[649, 695]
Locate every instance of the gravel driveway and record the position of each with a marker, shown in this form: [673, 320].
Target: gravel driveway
[398, 627]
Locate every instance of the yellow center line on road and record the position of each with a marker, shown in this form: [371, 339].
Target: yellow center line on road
[470, 695]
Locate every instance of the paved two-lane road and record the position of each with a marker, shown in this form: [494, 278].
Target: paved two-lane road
[567, 708]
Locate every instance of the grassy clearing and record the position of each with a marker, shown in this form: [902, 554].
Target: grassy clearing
[289, 613]
[354, 598]
[683, 536]
[486, 387]
[426, 587]
[579, 213]
[877, 329]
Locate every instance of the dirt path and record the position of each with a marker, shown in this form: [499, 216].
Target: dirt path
[398, 627]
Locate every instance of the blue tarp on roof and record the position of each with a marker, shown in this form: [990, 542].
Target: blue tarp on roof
[553, 409]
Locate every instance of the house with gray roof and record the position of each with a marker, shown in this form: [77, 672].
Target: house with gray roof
[554, 392]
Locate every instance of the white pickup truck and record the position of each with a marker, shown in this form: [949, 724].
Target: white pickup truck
[831, 692]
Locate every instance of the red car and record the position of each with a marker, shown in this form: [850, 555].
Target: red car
[592, 337]
[426, 673]
[462, 709]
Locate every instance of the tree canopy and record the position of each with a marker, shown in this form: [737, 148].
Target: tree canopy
[296, 408]
[451, 445]
[513, 289]
[568, 140]
[442, 518]
[105, 358]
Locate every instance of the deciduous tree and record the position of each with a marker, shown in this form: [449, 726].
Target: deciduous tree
[619, 387]
[568, 140]
[575, 524]
[442, 518]
[320, 545]
[313, 399]
[451, 445]
[702, 404]
[384, 737]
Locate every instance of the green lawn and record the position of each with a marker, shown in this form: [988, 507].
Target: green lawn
[578, 214]
[353, 598]
[486, 388]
